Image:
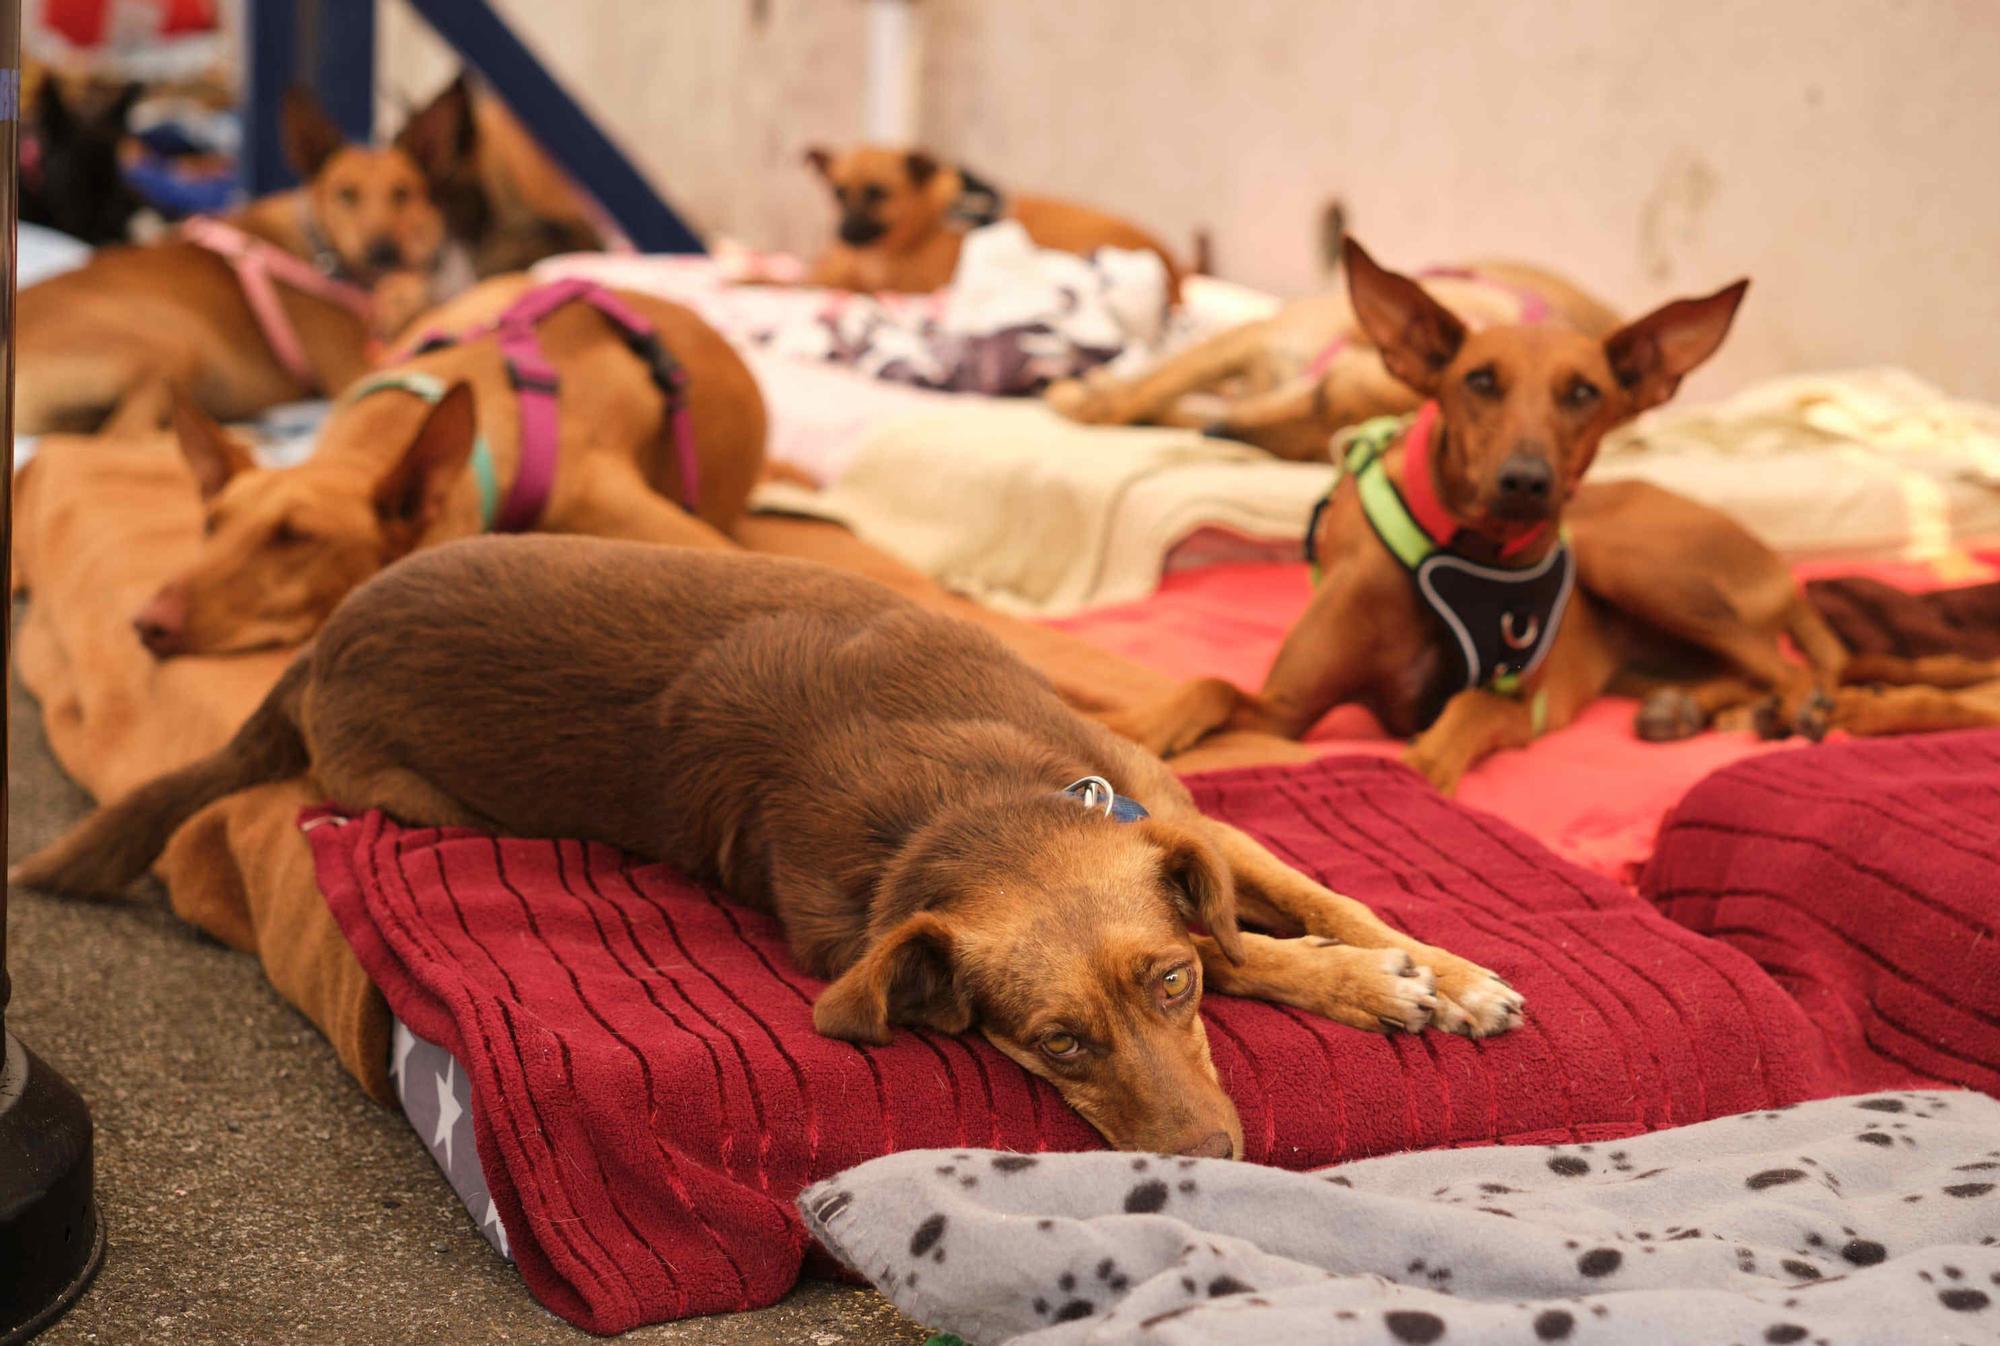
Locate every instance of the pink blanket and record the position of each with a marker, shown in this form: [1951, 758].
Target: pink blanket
[1593, 792]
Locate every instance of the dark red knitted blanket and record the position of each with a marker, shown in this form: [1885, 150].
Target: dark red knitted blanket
[650, 1095]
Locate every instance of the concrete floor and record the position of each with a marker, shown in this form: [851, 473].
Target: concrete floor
[252, 1193]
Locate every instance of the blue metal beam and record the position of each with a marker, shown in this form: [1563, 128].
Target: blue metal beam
[336, 38]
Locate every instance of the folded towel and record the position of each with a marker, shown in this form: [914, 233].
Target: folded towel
[649, 1094]
[1032, 513]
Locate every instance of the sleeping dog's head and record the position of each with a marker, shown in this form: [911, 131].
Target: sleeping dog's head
[1062, 935]
[377, 209]
[888, 198]
[1524, 408]
[282, 546]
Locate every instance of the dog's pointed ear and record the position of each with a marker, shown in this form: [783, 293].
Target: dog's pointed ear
[905, 977]
[920, 166]
[1650, 357]
[1204, 892]
[310, 136]
[1416, 335]
[441, 135]
[213, 453]
[411, 493]
[820, 159]
[119, 111]
[52, 114]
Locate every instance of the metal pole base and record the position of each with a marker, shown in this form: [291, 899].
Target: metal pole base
[51, 1234]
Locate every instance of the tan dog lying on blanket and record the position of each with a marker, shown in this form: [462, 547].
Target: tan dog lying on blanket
[448, 444]
[937, 832]
[1288, 382]
[276, 302]
[1448, 569]
[904, 216]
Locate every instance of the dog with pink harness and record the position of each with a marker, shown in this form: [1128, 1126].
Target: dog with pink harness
[563, 407]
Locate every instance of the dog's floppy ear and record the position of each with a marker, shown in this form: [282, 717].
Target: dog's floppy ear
[213, 453]
[1652, 356]
[1416, 335]
[310, 136]
[440, 136]
[905, 977]
[920, 166]
[820, 159]
[413, 490]
[1203, 889]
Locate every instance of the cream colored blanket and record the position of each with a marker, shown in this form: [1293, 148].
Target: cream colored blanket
[1030, 513]
[1033, 514]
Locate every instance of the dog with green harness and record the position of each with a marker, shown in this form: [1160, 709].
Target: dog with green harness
[1473, 593]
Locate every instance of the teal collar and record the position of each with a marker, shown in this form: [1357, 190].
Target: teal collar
[432, 389]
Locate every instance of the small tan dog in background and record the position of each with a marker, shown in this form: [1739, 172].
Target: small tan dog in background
[904, 217]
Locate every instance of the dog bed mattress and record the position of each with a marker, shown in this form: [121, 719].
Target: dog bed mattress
[647, 1095]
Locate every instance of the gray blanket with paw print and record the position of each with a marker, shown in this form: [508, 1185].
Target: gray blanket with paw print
[1868, 1221]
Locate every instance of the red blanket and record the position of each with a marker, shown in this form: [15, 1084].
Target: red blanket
[1865, 878]
[649, 1093]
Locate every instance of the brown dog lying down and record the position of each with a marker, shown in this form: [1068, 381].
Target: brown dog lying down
[1287, 383]
[119, 333]
[1671, 597]
[397, 467]
[904, 216]
[890, 783]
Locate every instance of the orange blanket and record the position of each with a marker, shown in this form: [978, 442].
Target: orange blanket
[98, 525]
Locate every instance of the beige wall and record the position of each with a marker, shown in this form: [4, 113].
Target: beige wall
[1839, 151]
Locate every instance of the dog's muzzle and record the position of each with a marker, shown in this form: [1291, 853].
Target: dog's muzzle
[860, 230]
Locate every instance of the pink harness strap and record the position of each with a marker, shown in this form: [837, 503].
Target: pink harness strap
[536, 383]
[260, 268]
[1534, 309]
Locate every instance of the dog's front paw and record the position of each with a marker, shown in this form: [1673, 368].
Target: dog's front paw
[1079, 400]
[1442, 773]
[1379, 990]
[1669, 715]
[1473, 1001]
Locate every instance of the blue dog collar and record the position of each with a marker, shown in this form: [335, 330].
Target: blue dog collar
[1095, 793]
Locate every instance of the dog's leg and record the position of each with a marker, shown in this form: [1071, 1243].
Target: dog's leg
[615, 501]
[1914, 710]
[1125, 402]
[1471, 999]
[398, 792]
[1933, 670]
[1284, 422]
[143, 409]
[1381, 990]
[1475, 724]
[1182, 719]
[1678, 711]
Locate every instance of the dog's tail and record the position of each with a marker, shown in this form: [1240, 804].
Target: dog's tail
[119, 842]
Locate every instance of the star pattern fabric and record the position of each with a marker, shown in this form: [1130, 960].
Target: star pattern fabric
[437, 1098]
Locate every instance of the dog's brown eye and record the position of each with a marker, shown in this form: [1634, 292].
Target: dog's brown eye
[1176, 983]
[285, 535]
[873, 193]
[209, 525]
[1581, 393]
[399, 196]
[1060, 1045]
[1482, 382]
[350, 196]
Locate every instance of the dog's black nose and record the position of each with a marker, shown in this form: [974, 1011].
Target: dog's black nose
[1526, 479]
[859, 231]
[384, 254]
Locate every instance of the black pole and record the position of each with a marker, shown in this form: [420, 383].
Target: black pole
[51, 1237]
